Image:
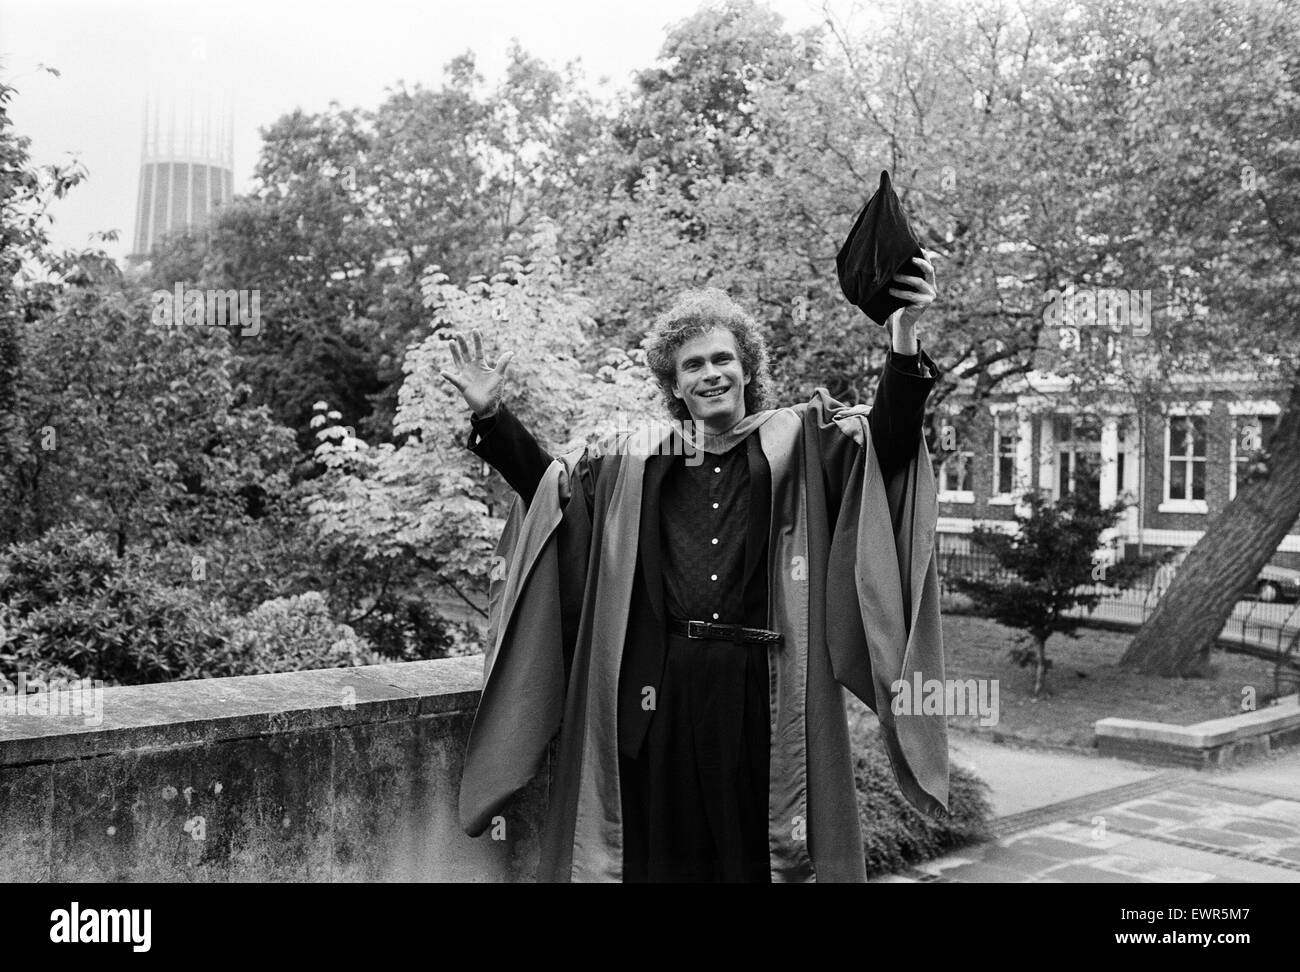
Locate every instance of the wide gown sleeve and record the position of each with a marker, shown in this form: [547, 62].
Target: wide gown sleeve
[506, 444]
[896, 419]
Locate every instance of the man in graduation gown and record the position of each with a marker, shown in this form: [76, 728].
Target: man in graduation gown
[685, 604]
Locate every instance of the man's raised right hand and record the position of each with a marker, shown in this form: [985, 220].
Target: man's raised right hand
[483, 387]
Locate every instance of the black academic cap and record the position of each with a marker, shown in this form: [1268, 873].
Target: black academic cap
[880, 245]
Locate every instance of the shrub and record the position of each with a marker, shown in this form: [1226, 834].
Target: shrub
[896, 835]
[954, 602]
[72, 605]
[1047, 569]
[289, 634]
[70, 608]
[409, 625]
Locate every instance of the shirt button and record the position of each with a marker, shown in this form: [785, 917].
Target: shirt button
[715, 539]
[714, 577]
[717, 469]
[715, 615]
[715, 506]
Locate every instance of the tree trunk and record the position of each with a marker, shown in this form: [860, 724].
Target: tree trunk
[1179, 635]
[1040, 665]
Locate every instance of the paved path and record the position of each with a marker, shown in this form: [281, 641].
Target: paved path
[1065, 817]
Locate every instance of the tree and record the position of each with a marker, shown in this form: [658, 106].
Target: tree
[351, 206]
[1227, 194]
[1176, 640]
[1112, 145]
[138, 430]
[25, 195]
[782, 137]
[1185, 151]
[695, 112]
[421, 511]
[1047, 568]
[713, 184]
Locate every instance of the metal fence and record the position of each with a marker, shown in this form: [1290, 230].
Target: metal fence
[1269, 630]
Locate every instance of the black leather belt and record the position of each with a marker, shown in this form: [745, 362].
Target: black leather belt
[723, 632]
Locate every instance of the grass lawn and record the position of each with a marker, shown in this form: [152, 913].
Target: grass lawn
[1088, 685]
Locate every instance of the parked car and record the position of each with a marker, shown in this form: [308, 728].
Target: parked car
[1277, 584]
[1273, 584]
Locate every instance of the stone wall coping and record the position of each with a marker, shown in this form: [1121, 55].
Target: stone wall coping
[168, 714]
[1209, 734]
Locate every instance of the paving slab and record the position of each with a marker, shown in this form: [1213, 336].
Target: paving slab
[1063, 817]
[1278, 776]
[1025, 779]
[1261, 828]
[1160, 811]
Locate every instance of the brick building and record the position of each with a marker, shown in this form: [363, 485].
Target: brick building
[1178, 461]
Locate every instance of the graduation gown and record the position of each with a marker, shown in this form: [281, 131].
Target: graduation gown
[576, 630]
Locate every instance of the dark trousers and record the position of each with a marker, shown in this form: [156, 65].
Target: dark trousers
[695, 799]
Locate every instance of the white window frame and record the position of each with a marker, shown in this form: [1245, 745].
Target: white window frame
[954, 495]
[1126, 437]
[1058, 444]
[957, 495]
[1238, 411]
[1007, 494]
[1169, 504]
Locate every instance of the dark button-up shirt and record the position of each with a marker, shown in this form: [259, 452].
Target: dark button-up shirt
[704, 512]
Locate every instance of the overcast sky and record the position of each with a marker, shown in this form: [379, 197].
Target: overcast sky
[272, 56]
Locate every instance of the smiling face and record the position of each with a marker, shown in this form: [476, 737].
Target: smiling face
[711, 380]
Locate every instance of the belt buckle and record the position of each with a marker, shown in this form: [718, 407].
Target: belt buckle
[692, 627]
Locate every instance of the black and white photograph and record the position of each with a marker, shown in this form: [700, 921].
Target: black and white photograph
[703, 442]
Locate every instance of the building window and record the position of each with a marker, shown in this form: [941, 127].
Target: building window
[1250, 436]
[1078, 454]
[1126, 438]
[1006, 436]
[1185, 460]
[954, 477]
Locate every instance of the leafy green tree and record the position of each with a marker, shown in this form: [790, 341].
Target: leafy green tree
[813, 117]
[1163, 160]
[144, 501]
[425, 500]
[137, 430]
[695, 113]
[25, 259]
[1047, 569]
[714, 188]
[351, 206]
[1209, 147]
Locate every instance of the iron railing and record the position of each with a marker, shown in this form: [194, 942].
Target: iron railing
[1268, 630]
